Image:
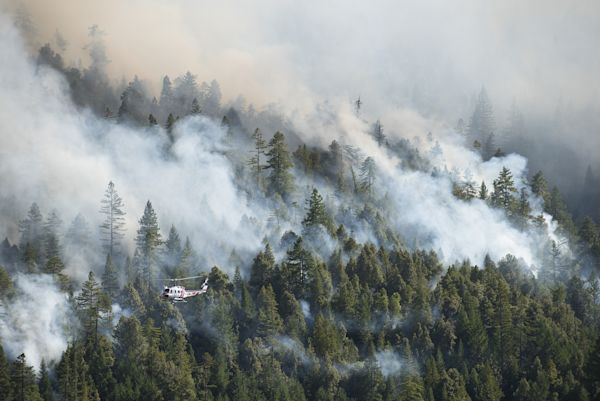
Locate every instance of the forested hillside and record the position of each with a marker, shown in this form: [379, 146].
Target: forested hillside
[346, 263]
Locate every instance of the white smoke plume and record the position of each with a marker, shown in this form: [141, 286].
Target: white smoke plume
[63, 159]
[37, 321]
[390, 363]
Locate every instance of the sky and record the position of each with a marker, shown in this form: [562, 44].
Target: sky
[431, 54]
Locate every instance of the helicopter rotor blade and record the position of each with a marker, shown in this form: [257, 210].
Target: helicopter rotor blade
[178, 279]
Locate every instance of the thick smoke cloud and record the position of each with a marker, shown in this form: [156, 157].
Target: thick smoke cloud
[63, 159]
[431, 56]
[37, 321]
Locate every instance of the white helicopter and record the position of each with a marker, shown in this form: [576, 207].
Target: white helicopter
[178, 293]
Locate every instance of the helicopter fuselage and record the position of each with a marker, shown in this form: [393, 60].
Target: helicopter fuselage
[178, 293]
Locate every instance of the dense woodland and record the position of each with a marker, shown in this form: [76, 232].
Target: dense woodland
[375, 320]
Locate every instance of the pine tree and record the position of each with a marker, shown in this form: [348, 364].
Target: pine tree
[280, 180]
[170, 124]
[255, 161]
[482, 120]
[152, 121]
[51, 234]
[185, 262]
[5, 383]
[295, 270]
[110, 281]
[487, 387]
[173, 247]
[181, 386]
[524, 209]
[592, 371]
[316, 213]
[367, 176]
[269, 320]
[30, 258]
[148, 240]
[44, 386]
[325, 338]
[113, 226]
[195, 107]
[99, 357]
[337, 160]
[78, 235]
[31, 229]
[453, 386]
[291, 311]
[539, 186]
[166, 94]
[263, 268]
[91, 305]
[6, 285]
[133, 102]
[412, 388]
[483, 191]
[378, 133]
[504, 188]
[24, 386]
[54, 265]
[74, 381]
[468, 190]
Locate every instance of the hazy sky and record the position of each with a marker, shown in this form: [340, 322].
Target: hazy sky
[432, 52]
[430, 56]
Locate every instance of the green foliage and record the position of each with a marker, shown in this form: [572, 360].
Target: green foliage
[6, 285]
[263, 269]
[298, 327]
[148, 240]
[316, 213]
[92, 306]
[5, 378]
[113, 225]
[44, 385]
[367, 176]
[280, 180]
[504, 188]
[483, 191]
[255, 163]
[269, 320]
[74, 381]
[23, 381]
[32, 230]
[110, 282]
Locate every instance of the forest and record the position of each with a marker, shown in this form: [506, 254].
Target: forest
[371, 266]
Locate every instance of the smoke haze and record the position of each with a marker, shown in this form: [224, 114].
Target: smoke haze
[416, 66]
[432, 57]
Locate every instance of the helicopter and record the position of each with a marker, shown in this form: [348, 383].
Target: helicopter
[178, 293]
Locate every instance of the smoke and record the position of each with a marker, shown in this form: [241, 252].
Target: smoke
[390, 363]
[37, 320]
[432, 57]
[62, 157]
